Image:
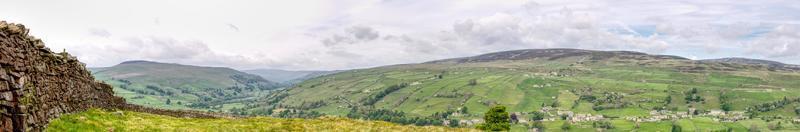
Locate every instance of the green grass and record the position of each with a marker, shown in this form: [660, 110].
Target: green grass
[701, 124]
[101, 120]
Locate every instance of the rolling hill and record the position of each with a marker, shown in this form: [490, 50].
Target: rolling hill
[772, 65]
[286, 76]
[176, 86]
[621, 87]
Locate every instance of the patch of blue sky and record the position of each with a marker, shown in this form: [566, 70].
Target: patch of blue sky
[644, 30]
[756, 32]
[635, 30]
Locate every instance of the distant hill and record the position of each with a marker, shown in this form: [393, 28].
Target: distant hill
[555, 54]
[286, 76]
[616, 85]
[773, 65]
[186, 87]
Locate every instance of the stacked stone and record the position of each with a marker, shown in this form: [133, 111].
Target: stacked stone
[37, 85]
[176, 113]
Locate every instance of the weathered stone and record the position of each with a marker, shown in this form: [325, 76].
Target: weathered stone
[14, 29]
[4, 87]
[41, 68]
[6, 96]
[15, 74]
[3, 75]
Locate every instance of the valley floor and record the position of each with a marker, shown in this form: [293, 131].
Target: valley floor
[102, 120]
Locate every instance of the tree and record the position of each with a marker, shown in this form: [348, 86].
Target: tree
[797, 110]
[453, 123]
[603, 124]
[727, 107]
[669, 99]
[496, 119]
[676, 128]
[555, 104]
[473, 82]
[537, 116]
[566, 126]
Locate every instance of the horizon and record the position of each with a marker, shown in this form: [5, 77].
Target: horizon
[336, 35]
[423, 61]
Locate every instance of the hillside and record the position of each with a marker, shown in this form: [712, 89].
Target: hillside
[617, 86]
[176, 86]
[286, 76]
[772, 65]
[101, 120]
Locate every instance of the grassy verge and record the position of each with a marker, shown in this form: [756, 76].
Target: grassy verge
[101, 120]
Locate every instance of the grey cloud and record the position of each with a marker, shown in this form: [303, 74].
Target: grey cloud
[363, 33]
[233, 27]
[352, 35]
[99, 32]
[336, 39]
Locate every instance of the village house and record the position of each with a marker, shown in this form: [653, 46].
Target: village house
[585, 117]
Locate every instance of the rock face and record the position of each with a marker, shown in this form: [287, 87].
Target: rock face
[37, 85]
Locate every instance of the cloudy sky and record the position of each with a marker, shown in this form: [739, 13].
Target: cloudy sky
[346, 34]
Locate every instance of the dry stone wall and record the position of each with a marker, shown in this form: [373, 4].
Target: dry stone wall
[37, 85]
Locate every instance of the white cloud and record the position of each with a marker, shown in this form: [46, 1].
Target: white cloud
[782, 41]
[497, 32]
[343, 34]
[161, 49]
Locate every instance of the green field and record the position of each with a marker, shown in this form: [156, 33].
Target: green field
[616, 87]
[101, 120]
[627, 91]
